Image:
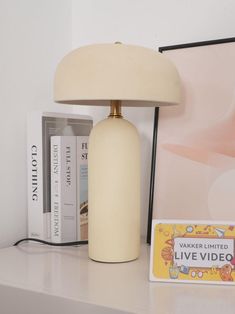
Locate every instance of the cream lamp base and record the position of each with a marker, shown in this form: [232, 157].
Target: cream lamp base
[114, 191]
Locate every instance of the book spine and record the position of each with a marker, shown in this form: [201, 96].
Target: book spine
[82, 188]
[55, 192]
[63, 188]
[34, 177]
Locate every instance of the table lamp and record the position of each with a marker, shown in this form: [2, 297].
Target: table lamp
[115, 75]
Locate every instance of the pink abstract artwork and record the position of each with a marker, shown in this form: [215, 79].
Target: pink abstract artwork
[195, 160]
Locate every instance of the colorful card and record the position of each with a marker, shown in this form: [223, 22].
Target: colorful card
[193, 251]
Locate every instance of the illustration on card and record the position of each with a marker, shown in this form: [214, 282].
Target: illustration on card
[195, 252]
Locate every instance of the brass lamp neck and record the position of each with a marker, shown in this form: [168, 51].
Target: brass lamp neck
[115, 109]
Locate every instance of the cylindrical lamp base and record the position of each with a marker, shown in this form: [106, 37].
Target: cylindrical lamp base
[114, 191]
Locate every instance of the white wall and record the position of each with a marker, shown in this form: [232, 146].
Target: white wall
[36, 34]
[151, 23]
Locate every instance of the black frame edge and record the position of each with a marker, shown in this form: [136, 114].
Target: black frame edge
[152, 175]
[197, 44]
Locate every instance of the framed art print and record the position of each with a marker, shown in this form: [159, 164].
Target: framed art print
[193, 161]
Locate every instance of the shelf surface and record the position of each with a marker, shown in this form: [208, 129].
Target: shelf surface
[34, 276]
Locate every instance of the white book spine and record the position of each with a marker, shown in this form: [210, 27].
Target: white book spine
[82, 188]
[63, 188]
[37, 226]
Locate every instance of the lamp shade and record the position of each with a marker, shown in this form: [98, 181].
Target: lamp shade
[96, 74]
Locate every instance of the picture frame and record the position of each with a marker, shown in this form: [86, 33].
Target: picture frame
[192, 154]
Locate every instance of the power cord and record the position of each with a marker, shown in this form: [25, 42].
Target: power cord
[52, 243]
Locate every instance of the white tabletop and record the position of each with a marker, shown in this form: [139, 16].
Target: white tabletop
[65, 278]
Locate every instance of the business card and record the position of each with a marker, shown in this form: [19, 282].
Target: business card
[193, 251]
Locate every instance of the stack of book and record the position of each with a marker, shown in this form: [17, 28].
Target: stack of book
[57, 176]
[69, 199]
